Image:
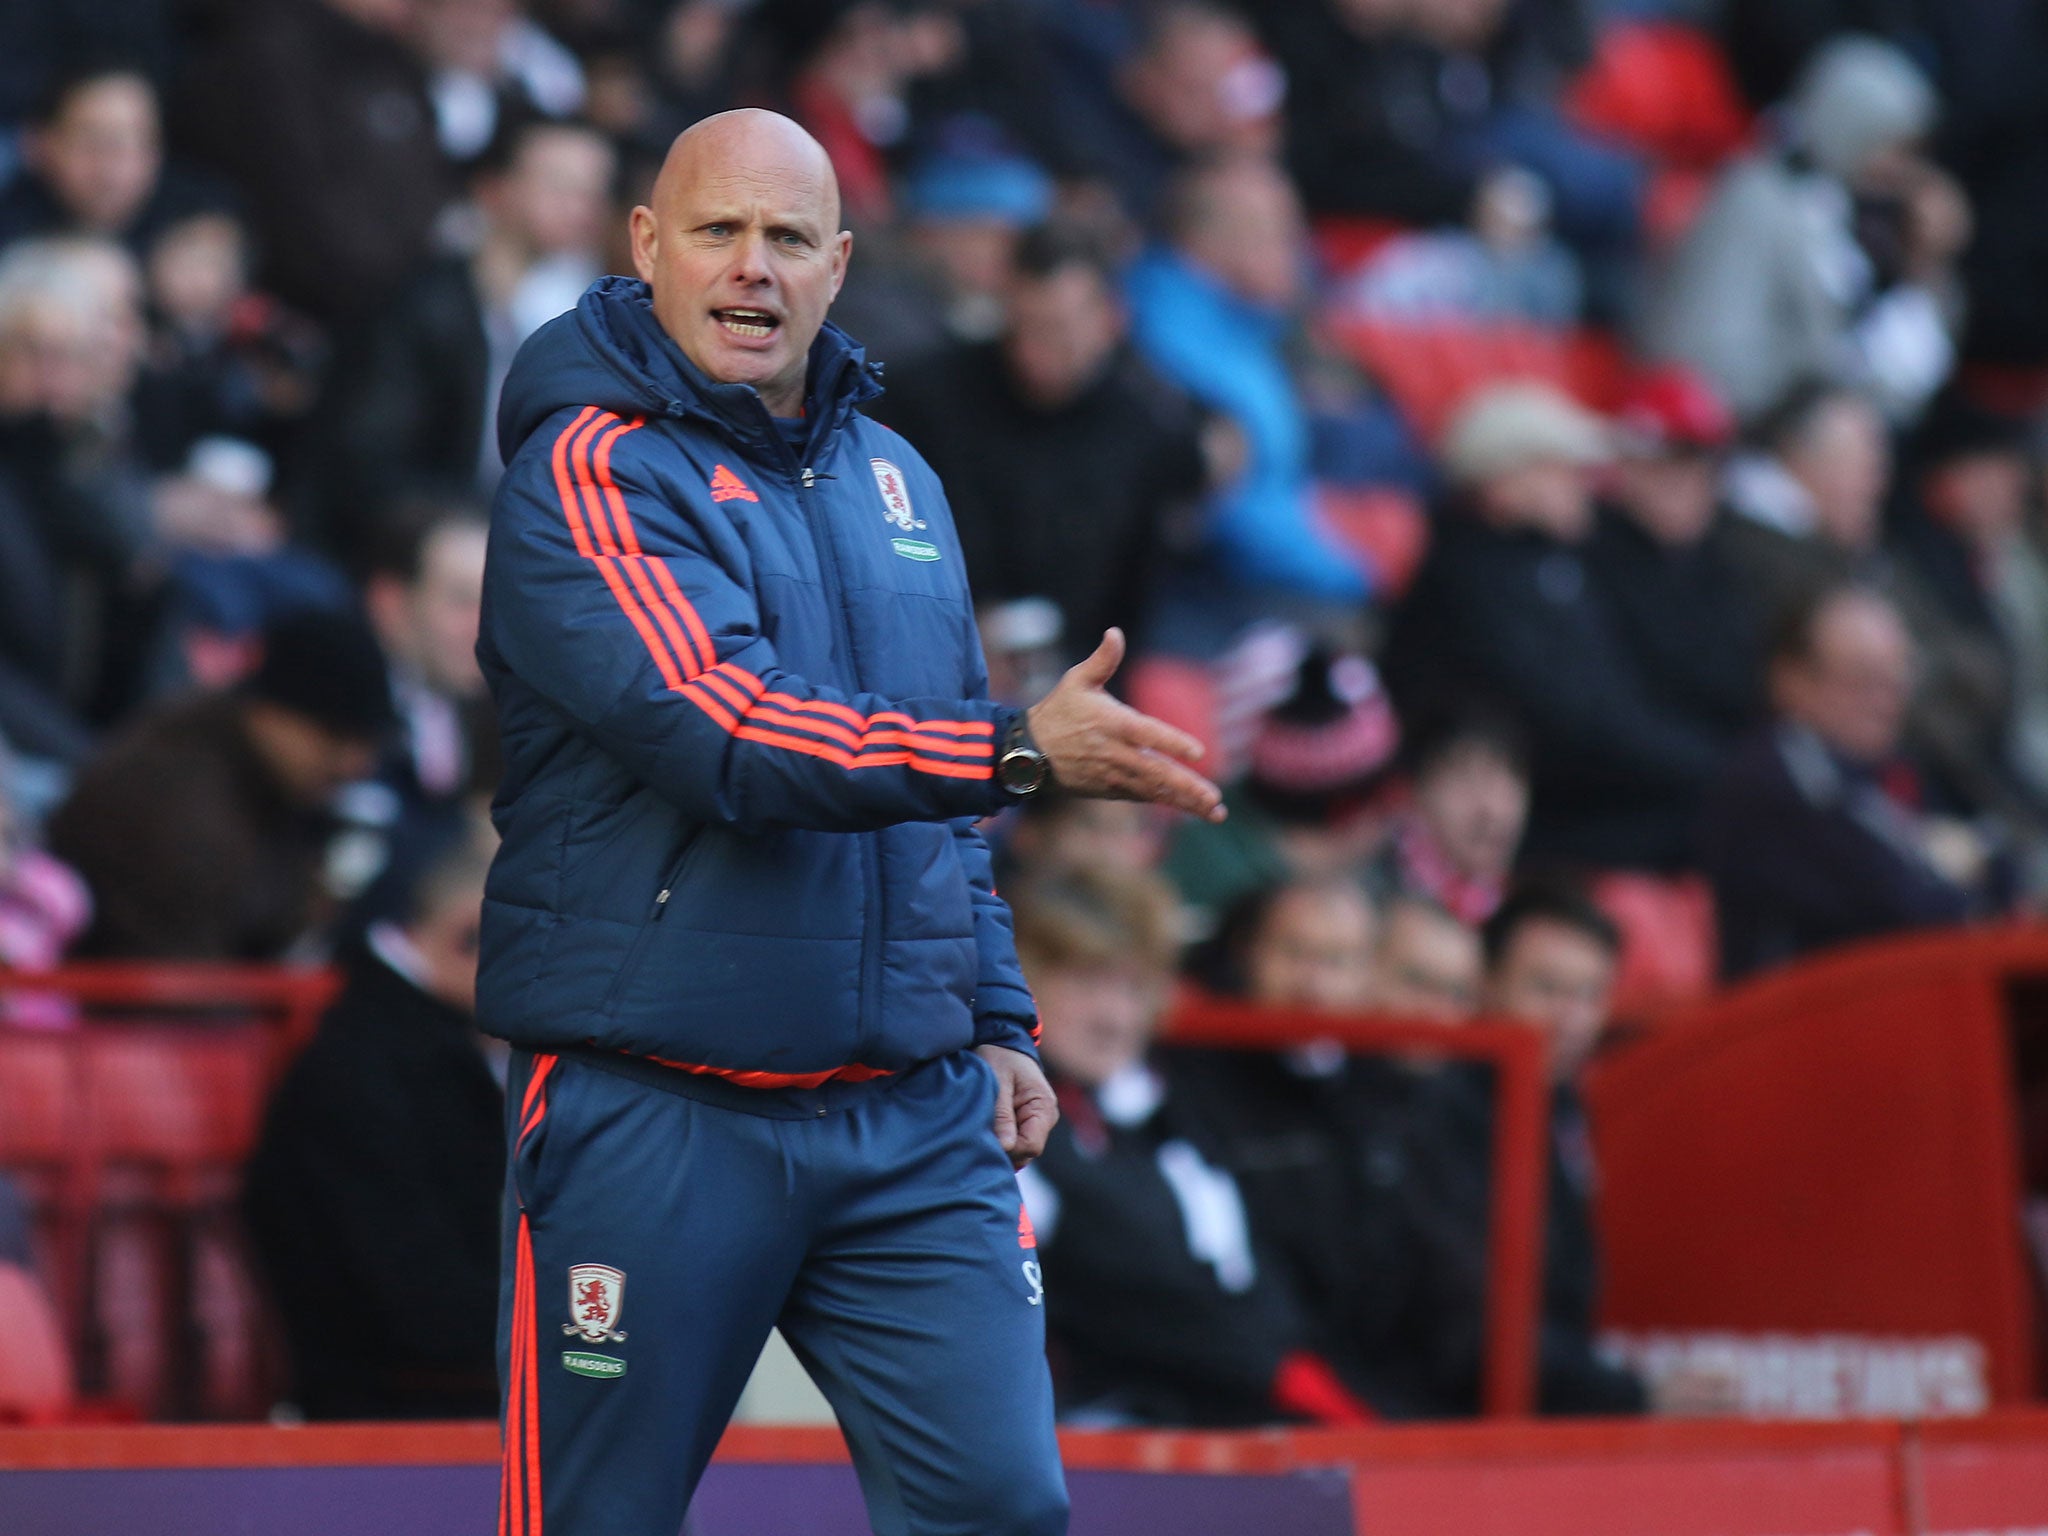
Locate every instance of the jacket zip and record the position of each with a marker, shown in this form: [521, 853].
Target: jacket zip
[870, 862]
[675, 873]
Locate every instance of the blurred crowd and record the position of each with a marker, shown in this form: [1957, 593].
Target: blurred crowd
[1578, 464]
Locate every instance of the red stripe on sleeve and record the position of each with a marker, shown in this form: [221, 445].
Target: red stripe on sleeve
[596, 445]
[622, 593]
[700, 648]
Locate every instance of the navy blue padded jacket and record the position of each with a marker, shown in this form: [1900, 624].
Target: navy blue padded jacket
[745, 721]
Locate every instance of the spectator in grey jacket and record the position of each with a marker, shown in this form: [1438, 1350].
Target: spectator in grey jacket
[1828, 253]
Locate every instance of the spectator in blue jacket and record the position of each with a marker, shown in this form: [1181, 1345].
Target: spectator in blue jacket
[1209, 310]
[775, 1052]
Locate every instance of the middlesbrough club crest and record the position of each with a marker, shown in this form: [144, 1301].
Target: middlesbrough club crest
[895, 494]
[597, 1292]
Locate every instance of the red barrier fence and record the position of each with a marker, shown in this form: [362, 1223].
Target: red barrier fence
[1819, 1173]
[1587, 1478]
[1521, 1151]
[127, 1130]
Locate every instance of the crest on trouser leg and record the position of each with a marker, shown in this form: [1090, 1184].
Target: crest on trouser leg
[597, 1294]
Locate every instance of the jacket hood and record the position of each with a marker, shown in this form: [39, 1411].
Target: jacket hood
[1860, 95]
[610, 351]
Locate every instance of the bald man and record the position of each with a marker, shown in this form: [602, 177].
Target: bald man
[775, 1057]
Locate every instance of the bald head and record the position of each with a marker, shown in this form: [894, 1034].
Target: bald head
[749, 141]
[743, 250]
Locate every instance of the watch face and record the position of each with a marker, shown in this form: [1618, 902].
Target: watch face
[1021, 770]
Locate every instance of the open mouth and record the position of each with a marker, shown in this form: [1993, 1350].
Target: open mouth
[748, 324]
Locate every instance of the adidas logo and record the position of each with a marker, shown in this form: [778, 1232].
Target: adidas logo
[727, 486]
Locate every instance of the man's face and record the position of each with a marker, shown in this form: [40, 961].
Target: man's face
[1314, 951]
[1853, 688]
[1844, 461]
[1098, 834]
[1982, 496]
[1428, 965]
[1254, 236]
[310, 762]
[970, 256]
[1205, 88]
[1559, 978]
[1063, 328]
[75, 356]
[197, 269]
[447, 602]
[102, 154]
[1551, 496]
[557, 194]
[1097, 1019]
[1475, 804]
[744, 256]
[463, 34]
[1671, 496]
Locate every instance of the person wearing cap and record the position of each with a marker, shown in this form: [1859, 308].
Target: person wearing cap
[934, 278]
[202, 831]
[1303, 807]
[964, 213]
[1659, 563]
[1505, 612]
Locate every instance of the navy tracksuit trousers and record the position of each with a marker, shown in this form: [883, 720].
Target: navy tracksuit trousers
[653, 1239]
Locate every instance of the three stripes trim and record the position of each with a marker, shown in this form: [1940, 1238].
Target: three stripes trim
[732, 697]
[519, 1506]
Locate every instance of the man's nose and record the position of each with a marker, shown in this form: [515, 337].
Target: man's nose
[750, 260]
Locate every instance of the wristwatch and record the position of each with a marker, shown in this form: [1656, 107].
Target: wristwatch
[1021, 768]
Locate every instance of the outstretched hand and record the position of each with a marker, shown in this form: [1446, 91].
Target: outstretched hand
[1099, 747]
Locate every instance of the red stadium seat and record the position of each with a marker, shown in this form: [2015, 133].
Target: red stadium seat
[1430, 367]
[1385, 524]
[180, 1101]
[1664, 89]
[1178, 691]
[39, 1126]
[1345, 244]
[128, 1133]
[35, 1368]
[43, 1150]
[1670, 945]
[172, 1111]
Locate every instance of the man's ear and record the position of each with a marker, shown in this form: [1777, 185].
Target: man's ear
[646, 241]
[841, 255]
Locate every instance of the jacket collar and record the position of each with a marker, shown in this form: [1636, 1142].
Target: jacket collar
[611, 351]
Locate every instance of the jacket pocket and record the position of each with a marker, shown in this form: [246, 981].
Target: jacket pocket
[657, 908]
[534, 1125]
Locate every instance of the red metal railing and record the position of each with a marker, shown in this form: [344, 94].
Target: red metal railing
[129, 1127]
[1521, 1122]
[129, 1007]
